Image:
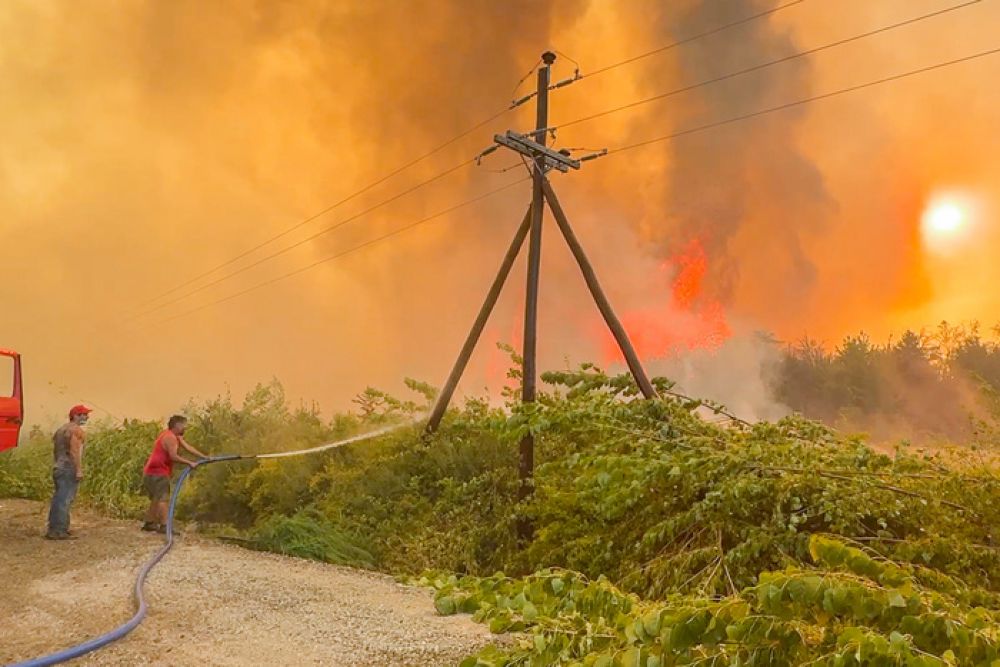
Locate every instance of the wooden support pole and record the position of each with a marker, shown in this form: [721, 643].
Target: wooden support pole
[444, 398]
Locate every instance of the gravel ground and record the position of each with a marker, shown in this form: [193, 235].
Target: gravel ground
[210, 603]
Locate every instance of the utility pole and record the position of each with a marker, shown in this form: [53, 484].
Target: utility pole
[529, 351]
[542, 159]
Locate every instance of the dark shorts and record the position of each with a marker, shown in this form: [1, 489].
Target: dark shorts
[157, 487]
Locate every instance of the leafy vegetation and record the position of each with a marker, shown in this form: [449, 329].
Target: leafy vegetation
[309, 535]
[660, 537]
[855, 610]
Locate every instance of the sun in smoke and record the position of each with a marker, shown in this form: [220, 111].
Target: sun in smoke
[945, 218]
[947, 223]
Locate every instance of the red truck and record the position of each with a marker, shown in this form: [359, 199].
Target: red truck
[12, 405]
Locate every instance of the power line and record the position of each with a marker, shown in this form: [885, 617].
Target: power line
[693, 38]
[348, 251]
[328, 209]
[621, 149]
[807, 100]
[577, 76]
[525, 78]
[283, 251]
[575, 63]
[301, 242]
[499, 114]
[504, 170]
[437, 149]
[762, 66]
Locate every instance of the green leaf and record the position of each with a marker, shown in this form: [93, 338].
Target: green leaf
[651, 623]
[896, 599]
[499, 624]
[633, 657]
[445, 605]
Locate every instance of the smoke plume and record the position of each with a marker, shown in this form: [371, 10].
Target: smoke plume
[146, 142]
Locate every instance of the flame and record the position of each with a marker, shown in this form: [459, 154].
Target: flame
[687, 321]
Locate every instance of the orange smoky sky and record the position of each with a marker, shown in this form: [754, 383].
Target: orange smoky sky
[144, 143]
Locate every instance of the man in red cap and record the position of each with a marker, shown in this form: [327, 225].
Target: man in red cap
[67, 471]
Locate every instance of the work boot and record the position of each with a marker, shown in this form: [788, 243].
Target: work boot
[150, 527]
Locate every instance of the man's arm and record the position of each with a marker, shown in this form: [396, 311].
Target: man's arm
[186, 445]
[170, 444]
[76, 438]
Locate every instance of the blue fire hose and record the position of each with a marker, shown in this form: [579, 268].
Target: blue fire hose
[140, 601]
[140, 613]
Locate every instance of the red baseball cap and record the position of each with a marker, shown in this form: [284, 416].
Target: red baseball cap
[79, 410]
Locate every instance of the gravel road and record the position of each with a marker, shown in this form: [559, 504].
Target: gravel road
[210, 603]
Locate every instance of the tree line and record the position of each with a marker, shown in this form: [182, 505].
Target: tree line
[935, 384]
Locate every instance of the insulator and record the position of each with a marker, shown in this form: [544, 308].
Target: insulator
[517, 103]
[594, 156]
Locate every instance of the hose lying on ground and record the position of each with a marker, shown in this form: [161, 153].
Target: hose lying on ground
[140, 602]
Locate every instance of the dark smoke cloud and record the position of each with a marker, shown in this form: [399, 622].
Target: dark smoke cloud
[746, 191]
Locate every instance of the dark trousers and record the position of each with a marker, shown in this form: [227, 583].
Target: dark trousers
[62, 500]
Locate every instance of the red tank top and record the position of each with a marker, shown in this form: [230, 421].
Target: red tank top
[159, 464]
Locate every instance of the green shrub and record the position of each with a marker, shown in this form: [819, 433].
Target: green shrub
[307, 535]
[26, 471]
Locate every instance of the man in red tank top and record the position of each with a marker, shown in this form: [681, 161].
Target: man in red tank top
[159, 466]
